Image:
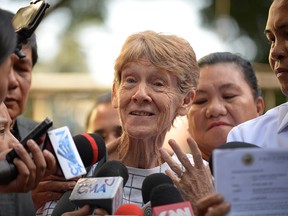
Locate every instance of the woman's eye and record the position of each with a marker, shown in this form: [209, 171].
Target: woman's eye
[229, 96]
[130, 80]
[270, 39]
[2, 130]
[159, 84]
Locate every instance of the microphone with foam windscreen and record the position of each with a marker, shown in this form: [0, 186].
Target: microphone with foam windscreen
[105, 191]
[129, 209]
[91, 148]
[68, 153]
[167, 200]
[230, 145]
[148, 184]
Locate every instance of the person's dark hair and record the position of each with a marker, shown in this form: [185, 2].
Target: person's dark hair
[7, 36]
[104, 98]
[243, 64]
[31, 42]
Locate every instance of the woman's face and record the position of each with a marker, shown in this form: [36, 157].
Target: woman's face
[148, 100]
[223, 100]
[7, 140]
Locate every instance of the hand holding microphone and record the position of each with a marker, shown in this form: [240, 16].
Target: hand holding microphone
[51, 188]
[91, 148]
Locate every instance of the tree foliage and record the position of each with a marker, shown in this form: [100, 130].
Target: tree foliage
[251, 16]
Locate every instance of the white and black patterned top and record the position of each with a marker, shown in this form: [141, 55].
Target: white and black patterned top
[132, 189]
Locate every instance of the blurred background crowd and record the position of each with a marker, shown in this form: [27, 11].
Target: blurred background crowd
[78, 42]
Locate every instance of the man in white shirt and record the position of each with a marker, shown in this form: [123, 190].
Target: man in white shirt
[271, 129]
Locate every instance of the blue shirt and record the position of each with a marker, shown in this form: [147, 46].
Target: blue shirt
[268, 131]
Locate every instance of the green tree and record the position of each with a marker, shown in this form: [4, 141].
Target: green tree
[251, 16]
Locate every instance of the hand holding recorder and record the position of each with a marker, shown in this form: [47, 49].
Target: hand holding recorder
[26, 164]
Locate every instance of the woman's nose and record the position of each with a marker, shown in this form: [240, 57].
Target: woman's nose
[215, 108]
[142, 94]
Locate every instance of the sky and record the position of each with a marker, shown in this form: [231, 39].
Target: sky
[102, 43]
[127, 16]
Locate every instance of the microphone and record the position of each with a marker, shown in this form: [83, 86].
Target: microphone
[230, 145]
[91, 148]
[149, 183]
[68, 155]
[105, 191]
[129, 209]
[167, 200]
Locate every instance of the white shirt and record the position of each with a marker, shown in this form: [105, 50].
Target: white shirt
[268, 131]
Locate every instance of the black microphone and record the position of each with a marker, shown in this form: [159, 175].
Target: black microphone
[113, 168]
[230, 145]
[167, 200]
[105, 190]
[149, 183]
[165, 194]
[91, 148]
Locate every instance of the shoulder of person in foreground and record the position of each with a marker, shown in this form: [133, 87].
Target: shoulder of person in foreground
[256, 130]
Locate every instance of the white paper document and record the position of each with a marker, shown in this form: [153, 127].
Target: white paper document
[253, 180]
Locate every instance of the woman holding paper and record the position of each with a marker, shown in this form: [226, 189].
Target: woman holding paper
[276, 29]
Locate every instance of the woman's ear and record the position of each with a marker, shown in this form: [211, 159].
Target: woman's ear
[186, 103]
[260, 105]
[114, 96]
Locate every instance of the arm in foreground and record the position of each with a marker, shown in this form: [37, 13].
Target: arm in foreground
[51, 188]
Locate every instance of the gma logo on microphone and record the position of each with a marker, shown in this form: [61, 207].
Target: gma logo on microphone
[94, 186]
[176, 209]
[101, 192]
